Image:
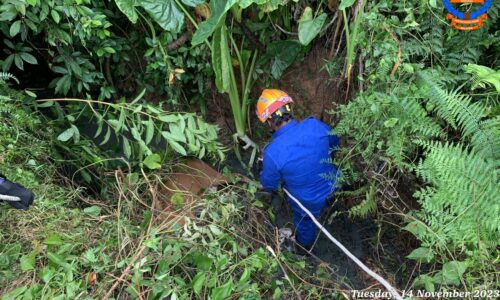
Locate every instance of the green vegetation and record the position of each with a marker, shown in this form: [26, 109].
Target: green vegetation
[68, 244]
[419, 116]
[101, 100]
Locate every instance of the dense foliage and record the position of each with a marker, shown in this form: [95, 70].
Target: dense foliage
[421, 131]
[421, 114]
[60, 250]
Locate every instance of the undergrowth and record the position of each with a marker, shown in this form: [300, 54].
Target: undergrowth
[73, 245]
[422, 133]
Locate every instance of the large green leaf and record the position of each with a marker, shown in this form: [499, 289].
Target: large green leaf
[127, 150]
[192, 3]
[177, 147]
[14, 28]
[153, 161]
[345, 4]
[272, 5]
[422, 254]
[58, 260]
[247, 3]
[283, 54]
[55, 16]
[221, 60]
[165, 13]
[309, 27]
[198, 282]
[425, 281]
[225, 59]
[222, 291]
[128, 9]
[53, 240]
[216, 59]
[66, 135]
[453, 271]
[28, 261]
[219, 9]
[28, 58]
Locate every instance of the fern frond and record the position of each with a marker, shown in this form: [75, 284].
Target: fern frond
[421, 123]
[4, 76]
[366, 207]
[462, 199]
[483, 76]
[383, 69]
[461, 113]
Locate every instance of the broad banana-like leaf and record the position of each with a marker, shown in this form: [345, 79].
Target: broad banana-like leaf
[221, 60]
[165, 13]
[193, 3]
[247, 3]
[219, 9]
[127, 7]
[309, 28]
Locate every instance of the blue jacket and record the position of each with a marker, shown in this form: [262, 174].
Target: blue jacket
[298, 156]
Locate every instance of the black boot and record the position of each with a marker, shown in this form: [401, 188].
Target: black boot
[13, 189]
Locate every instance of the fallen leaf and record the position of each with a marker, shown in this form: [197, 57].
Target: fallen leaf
[203, 10]
[171, 78]
[91, 278]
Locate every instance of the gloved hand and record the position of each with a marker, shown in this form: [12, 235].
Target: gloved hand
[13, 189]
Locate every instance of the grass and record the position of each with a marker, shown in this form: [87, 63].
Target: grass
[76, 244]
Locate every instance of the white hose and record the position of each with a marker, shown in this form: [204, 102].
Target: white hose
[377, 277]
[9, 198]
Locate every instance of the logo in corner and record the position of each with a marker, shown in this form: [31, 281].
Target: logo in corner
[466, 20]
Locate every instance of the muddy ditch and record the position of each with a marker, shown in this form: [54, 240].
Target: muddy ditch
[363, 237]
[315, 93]
[383, 254]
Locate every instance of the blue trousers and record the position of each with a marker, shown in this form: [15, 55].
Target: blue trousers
[305, 229]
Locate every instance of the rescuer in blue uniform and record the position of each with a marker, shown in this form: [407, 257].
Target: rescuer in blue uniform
[298, 157]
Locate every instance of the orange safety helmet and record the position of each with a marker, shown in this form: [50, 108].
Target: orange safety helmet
[270, 101]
